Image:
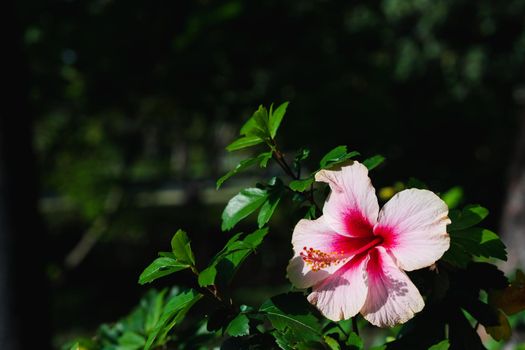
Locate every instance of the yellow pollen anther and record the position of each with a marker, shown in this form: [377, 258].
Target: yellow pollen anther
[317, 259]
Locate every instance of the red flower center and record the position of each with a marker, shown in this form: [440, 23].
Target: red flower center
[364, 238]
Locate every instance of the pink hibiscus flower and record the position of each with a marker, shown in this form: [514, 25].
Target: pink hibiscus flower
[354, 256]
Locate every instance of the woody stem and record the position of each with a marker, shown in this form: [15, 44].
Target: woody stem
[279, 158]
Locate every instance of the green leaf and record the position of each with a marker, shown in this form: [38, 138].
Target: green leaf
[467, 240]
[457, 255]
[283, 341]
[470, 215]
[207, 276]
[332, 343]
[161, 267]
[261, 120]
[373, 162]
[223, 266]
[239, 326]
[475, 241]
[336, 156]
[262, 159]
[181, 248]
[240, 167]
[333, 155]
[443, 345]
[303, 154]
[301, 185]
[354, 342]
[153, 303]
[242, 205]
[311, 213]
[480, 242]
[275, 189]
[174, 312]
[249, 127]
[257, 125]
[453, 197]
[276, 118]
[267, 209]
[83, 344]
[292, 313]
[131, 341]
[244, 142]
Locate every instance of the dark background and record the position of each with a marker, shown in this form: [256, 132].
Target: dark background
[121, 111]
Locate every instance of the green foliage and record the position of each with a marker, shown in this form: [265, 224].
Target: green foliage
[131, 341]
[82, 344]
[293, 319]
[275, 118]
[146, 326]
[161, 267]
[445, 308]
[262, 159]
[223, 265]
[251, 199]
[268, 208]
[301, 185]
[338, 337]
[244, 142]
[354, 342]
[257, 125]
[173, 313]
[373, 162]
[261, 127]
[181, 248]
[453, 197]
[470, 215]
[275, 189]
[442, 345]
[180, 258]
[467, 241]
[242, 205]
[239, 326]
[453, 289]
[301, 156]
[336, 156]
[332, 343]
[480, 242]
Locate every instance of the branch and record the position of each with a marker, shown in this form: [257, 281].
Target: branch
[95, 231]
[280, 159]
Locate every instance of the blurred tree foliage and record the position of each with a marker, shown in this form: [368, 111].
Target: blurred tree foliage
[144, 91]
[134, 95]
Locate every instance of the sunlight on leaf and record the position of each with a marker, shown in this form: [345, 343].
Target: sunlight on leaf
[161, 267]
[373, 162]
[276, 118]
[242, 205]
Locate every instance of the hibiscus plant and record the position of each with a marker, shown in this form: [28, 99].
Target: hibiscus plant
[417, 273]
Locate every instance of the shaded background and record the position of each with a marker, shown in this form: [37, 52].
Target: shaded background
[123, 109]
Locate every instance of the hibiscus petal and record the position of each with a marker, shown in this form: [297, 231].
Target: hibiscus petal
[343, 294]
[301, 275]
[392, 297]
[318, 236]
[413, 224]
[352, 206]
